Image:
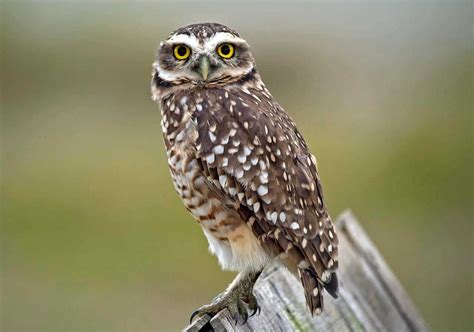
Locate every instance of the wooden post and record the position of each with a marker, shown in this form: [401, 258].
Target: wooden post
[370, 298]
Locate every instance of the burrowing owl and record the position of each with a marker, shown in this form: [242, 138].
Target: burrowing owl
[241, 166]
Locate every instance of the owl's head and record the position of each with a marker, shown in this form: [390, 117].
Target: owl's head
[203, 54]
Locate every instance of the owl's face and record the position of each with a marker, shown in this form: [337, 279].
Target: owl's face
[203, 54]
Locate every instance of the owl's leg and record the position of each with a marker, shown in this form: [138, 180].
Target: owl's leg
[236, 298]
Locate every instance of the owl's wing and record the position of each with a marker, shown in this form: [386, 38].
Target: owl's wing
[253, 153]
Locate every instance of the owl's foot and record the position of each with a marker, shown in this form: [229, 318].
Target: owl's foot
[238, 299]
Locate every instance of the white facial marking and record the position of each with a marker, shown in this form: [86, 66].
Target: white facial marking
[222, 37]
[189, 40]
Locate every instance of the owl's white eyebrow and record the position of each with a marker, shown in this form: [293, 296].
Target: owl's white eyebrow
[222, 37]
[189, 40]
[210, 44]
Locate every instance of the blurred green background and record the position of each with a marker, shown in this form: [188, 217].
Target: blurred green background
[94, 237]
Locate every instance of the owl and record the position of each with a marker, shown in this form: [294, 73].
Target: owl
[241, 167]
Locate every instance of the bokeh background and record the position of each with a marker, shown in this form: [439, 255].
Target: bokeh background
[94, 237]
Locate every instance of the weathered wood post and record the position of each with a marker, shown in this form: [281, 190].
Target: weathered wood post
[370, 299]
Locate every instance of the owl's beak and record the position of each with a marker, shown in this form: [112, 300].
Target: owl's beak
[203, 69]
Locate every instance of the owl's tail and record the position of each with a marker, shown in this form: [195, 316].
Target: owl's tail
[313, 289]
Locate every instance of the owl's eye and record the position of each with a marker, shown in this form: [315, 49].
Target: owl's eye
[225, 50]
[181, 52]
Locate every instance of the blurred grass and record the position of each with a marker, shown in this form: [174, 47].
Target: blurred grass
[93, 235]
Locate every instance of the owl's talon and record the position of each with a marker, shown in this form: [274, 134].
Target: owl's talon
[255, 311]
[238, 301]
[241, 313]
[252, 304]
[194, 315]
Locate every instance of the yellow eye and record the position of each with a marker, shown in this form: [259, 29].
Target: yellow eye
[181, 52]
[225, 50]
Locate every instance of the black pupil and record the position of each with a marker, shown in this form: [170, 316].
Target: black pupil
[182, 51]
[225, 49]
